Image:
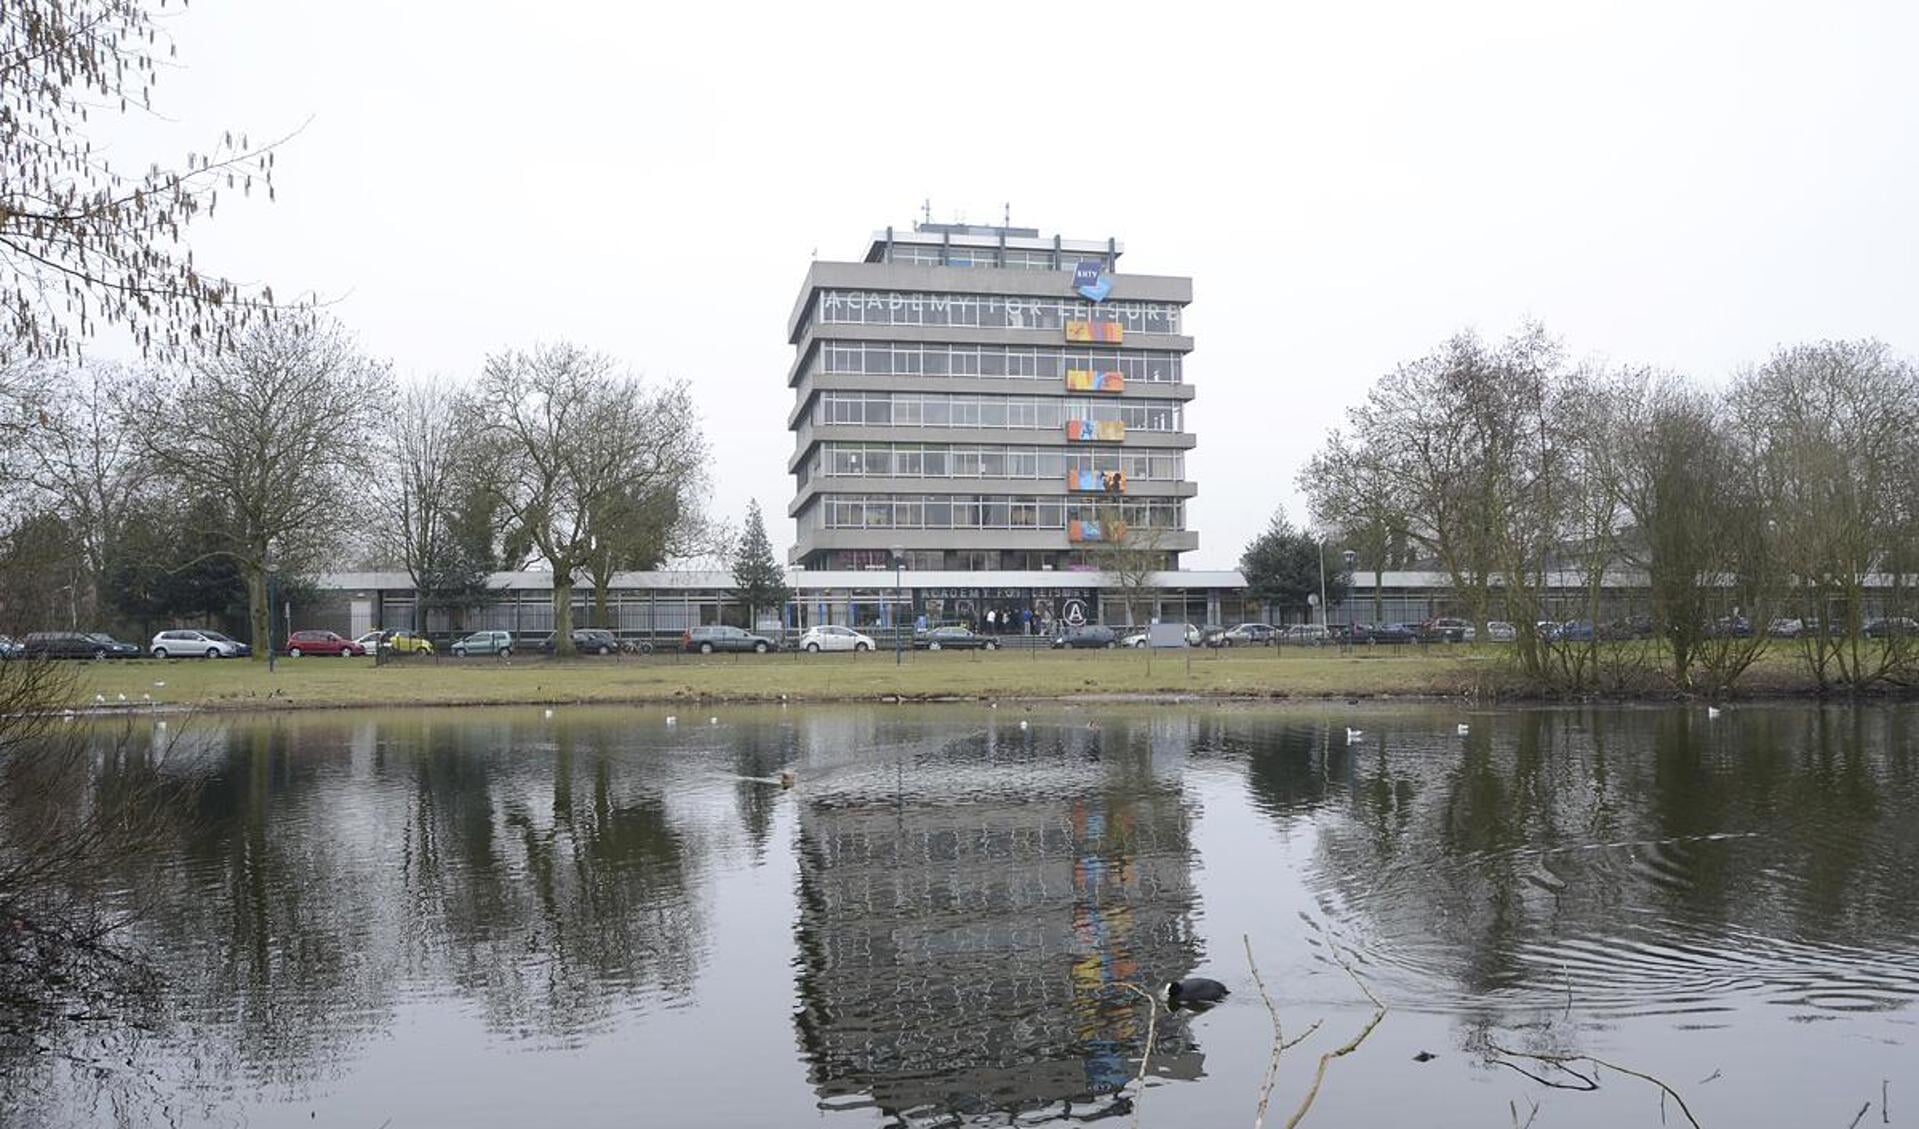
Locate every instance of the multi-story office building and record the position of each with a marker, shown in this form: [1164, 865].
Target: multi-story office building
[985, 398]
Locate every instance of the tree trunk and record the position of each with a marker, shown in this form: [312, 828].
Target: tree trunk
[562, 616]
[259, 613]
[599, 602]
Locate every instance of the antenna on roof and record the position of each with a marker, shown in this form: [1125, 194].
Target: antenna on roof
[1006, 214]
[926, 210]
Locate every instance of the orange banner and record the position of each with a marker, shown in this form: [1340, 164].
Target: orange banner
[1108, 332]
[1086, 380]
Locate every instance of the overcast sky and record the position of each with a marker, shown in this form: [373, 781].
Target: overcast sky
[1671, 184]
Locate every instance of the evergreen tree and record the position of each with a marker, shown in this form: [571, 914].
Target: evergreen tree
[1282, 567]
[758, 580]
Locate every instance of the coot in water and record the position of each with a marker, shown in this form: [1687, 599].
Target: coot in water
[1195, 990]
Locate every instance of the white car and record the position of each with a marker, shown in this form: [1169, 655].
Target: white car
[185, 643]
[819, 639]
[370, 642]
[1499, 631]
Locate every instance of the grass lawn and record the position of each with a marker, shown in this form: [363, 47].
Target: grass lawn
[318, 682]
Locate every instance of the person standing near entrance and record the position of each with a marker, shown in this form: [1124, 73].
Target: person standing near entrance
[1026, 620]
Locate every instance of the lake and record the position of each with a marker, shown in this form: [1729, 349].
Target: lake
[622, 916]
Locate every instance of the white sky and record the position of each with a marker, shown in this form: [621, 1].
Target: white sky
[1683, 185]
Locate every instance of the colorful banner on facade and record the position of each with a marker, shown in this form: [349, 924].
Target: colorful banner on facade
[1077, 530]
[1086, 380]
[1096, 481]
[1096, 431]
[1108, 332]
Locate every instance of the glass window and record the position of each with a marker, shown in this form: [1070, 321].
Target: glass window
[938, 513]
[936, 411]
[934, 460]
[1022, 462]
[879, 409]
[992, 462]
[995, 513]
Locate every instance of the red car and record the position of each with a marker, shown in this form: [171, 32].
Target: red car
[321, 643]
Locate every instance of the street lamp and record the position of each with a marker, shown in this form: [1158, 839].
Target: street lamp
[1322, 582]
[272, 568]
[899, 562]
[1350, 558]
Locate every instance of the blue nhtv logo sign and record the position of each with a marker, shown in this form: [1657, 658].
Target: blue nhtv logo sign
[1092, 283]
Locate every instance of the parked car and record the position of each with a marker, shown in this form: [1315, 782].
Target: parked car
[830, 637]
[1500, 631]
[182, 643]
[1306, 635]
[1574, 631]
[1786, 627]
[1388, 633]
[484, 643]
[1090, 635]
[77, 645]
[587, 641]
[1730, 627]
[1210, 636]
[370, 642]
[322, 643]
[1135, 639]
[405, 643]
[1889, 626]
[714, 637]
[1446, 629]
[10, 649]
[1249, 635]
[954, 638]
[240, 650]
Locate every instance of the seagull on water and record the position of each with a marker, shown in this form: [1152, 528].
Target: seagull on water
[1464, 729]
[1353, 736]
[549, 713]
[1712, 713]
[100, 698]
[671, 720]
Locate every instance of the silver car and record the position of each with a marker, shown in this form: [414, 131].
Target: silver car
[186, 643]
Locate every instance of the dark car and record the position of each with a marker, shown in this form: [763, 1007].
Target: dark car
[321, 643]
[1091, 635]
[1446, 629]
[588, 641]
[1890, 626]
[954, 639]
[1385, 633]
[1575, 631]
[76, 645]
[706, 640]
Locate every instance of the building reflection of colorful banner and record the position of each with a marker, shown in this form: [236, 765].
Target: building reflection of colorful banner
[1108, 1018]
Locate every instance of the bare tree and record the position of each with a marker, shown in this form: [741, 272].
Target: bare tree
[272, 433]
[86, 462]
[1350, 491]
[1132, 554]
[1832, 425]
[81, 242]
[423, 499]
[565, 436]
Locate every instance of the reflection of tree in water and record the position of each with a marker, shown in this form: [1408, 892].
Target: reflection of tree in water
[334, 871]
[1646, 859]
[968, 911]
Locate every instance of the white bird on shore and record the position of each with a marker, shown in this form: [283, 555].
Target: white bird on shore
[712, 721]
[122, 697]
[1353, 736]
[100, 699]
[1712, 713]
[1464, 729]
[146, 697]
[159, 684]
[671, 720]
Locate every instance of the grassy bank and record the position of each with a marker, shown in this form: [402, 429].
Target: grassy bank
[323, 682]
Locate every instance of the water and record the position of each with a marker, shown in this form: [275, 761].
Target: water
[493, 918]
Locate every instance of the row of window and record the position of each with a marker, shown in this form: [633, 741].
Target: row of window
[988, 511]
[1013, 258]
[1012, 361]
[912, 460]
[935, 409]
[898, 307]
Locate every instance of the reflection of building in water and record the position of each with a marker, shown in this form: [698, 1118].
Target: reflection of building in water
[962, 942]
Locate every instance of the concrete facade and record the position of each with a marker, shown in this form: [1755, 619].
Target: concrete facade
[957, 398]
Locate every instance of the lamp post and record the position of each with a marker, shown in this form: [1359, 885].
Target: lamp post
[899, 562]
[1322, 582]
[1350, 558]
[273, 570]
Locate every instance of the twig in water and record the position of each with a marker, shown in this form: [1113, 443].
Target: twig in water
[1280, 1043]
[1325, 1060]
[1146, 1056]
[1560, 1061]
[1857, 1117]
[1709, 1078]
[1885, 1111]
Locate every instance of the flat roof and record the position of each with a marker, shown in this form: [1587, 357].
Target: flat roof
[810, 580]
